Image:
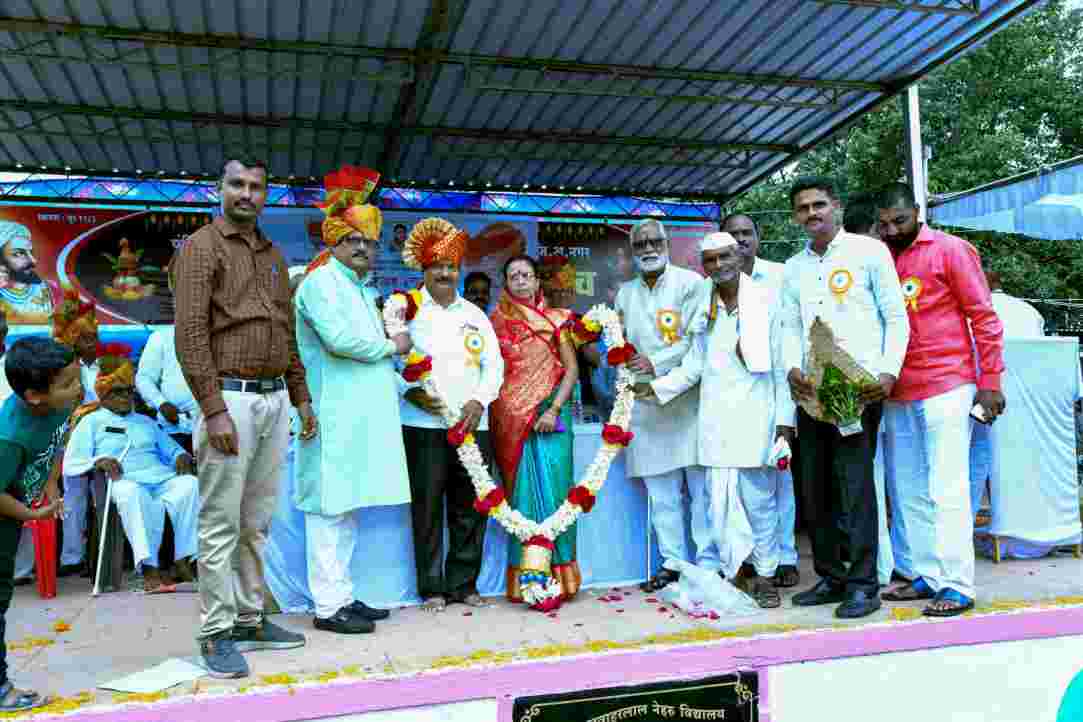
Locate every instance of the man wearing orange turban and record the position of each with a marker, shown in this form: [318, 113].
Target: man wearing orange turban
[75, 324]
[358, 461]
[151, 474]
[468, 370]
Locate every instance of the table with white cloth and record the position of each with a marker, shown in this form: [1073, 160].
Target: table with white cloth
[611, 545]
[1033, 483]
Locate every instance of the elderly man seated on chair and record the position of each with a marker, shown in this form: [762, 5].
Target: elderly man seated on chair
[151, 474]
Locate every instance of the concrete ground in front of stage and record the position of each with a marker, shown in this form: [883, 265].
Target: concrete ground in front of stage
[122, 633]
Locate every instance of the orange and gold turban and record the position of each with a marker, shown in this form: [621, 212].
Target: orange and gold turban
[434, 240]
[113, 371]
[73, 318]
[346, 208]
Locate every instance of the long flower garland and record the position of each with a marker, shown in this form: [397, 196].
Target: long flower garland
[539, 588]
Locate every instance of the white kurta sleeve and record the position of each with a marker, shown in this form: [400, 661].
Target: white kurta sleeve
[319, 305]
[148, 379]
[792, 326]
[685, 376]
[693, 300]
[168, 449]
[892, 307]
[492, 364]
[80, 454]
[785, 408]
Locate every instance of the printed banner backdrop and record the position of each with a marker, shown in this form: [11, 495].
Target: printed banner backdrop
[493, 240]
[599, 253]
[733, 697]
[117, 258]
[114, 257]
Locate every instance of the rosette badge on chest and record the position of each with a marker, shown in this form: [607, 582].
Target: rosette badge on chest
[911, 288]
[475, 346]
[839, 283]
[669, 325]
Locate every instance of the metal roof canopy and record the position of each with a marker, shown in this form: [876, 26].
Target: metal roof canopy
[693, 99]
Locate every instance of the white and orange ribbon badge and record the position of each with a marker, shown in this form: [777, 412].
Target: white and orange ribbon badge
[911, 288]
[475, 346]
[669, 325]
[839, 283]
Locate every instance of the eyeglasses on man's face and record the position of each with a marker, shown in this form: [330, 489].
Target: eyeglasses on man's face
[642, 245]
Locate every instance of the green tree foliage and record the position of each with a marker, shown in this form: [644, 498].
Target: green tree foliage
[1013, 104]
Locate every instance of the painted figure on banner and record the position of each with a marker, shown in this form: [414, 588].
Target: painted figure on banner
[531, 419]
[953, 363]
[150, 473]
[657, 308]
[457, 339]
[24, 297]
[849, 283]
[348, 360]
[746, 232]
[747, 415]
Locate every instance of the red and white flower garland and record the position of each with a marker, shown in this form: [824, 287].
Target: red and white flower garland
[539, 588]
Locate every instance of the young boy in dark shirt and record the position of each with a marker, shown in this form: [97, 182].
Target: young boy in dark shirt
[46, 386]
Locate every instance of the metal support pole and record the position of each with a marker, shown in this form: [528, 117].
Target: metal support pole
[915, 153]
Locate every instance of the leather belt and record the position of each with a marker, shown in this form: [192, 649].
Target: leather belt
[253, 386]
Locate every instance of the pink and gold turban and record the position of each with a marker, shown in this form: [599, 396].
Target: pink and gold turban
[434, 240]
[73, 318]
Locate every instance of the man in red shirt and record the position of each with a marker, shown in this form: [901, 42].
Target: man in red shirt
[927, 430]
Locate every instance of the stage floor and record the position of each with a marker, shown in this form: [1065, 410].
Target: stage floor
[121, 633]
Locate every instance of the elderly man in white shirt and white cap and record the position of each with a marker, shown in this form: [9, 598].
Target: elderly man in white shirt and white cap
[656, 308]
[745, 410]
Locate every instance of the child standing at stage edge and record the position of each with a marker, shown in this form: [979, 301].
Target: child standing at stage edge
[46, 385]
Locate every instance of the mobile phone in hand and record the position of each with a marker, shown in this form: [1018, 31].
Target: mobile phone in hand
[978, 414]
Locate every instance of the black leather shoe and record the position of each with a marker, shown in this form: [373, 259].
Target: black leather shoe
[660, 580]
[857, 604]
[344, 622]
[360, 609]
[825, 592]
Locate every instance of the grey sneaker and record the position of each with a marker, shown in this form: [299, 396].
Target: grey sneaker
[266, 636]
[221, 658]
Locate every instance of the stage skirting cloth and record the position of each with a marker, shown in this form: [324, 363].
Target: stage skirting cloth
[612, 542]
[1033, 482]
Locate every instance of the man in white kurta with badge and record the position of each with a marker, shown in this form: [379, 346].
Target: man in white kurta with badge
[151, 474]
[745, 408]
[656, 309]
[769, 274]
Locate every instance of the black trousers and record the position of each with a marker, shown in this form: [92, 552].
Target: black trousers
[836, 479]
[435, 472]
[10, 530]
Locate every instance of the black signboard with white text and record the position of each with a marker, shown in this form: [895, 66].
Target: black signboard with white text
[733, 698]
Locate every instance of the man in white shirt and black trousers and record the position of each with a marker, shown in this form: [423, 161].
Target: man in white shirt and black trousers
[850, 282]
[468, 371]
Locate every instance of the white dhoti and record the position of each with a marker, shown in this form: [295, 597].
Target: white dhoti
[732, 528]
[665, 493]
[330, 542]
[760, 496]
[143, 508]
[927, 456]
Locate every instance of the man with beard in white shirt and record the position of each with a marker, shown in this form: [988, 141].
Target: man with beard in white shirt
[656, 308]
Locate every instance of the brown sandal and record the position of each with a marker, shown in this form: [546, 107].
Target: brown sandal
[786, 576]
[662, 579]
[761, 590]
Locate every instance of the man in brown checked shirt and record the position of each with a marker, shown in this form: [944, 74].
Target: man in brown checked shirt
[237, 349]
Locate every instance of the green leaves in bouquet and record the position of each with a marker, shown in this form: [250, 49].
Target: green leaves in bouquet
[839, 397]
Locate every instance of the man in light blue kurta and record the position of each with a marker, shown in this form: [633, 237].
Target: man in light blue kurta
[358, 460]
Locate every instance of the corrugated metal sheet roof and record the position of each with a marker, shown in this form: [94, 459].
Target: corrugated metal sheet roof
[664, 97]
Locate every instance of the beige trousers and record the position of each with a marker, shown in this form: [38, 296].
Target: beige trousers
[238, 499]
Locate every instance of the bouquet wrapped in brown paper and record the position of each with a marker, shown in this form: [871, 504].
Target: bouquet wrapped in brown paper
[838, 380]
